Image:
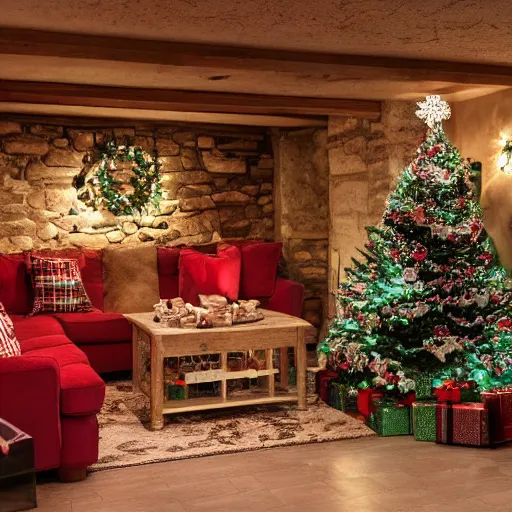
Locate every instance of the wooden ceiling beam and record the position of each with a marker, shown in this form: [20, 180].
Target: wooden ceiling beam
[215, 57]
[184, 101]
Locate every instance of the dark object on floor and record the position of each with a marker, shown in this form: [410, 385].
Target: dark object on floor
[17, 473]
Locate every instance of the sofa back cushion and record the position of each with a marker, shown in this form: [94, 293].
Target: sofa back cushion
[259, 269]
[130, 279]
[168, 264]
[209, 275]
[15, 287]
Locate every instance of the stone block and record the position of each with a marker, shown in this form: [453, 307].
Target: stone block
[60, 143]
[147, 220]
[167, 147]
[204, 142]
[123, 134]
[253, 211]
[22, 242]
[90, 241]
[63, 158]
[7, 197]
[197, 203]
[185, 139]
[340, 125]
[24, 227]
[60, 200]
[217, 163]
[268, 223]
[302, 256]
[266, 188]
[45, 130]
[264, 200]
[130, 228]
[355, 146]
[82, 140]
[11, 212]
[47, 231]
[115, 237]
[194, 191]
[173, 181]
[239, 144]
[268, 209]
[232, 197]
[348, 197]
[9, 128]
[257, 172]
[250, 190]
[236, 228]
[266, 162]
[71, 223]
[25, 145]
[313, 272]
[231, 213]
[377, 151]
[260, 230]
[340, 163]
[190, 159]
[37, 171]
[170, 164]
[166, 207]
[145, 143]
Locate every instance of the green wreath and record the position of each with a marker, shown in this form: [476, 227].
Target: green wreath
[102, 189]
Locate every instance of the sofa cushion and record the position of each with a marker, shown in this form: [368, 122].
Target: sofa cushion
[64, 354]
[168, 282]
[95, 327]
[9, 344]
[58, 286]
[259, 269]
[81, 390]
[39, 342]
[15, 288]
[131, 279]
[35, 326]
[209, 275]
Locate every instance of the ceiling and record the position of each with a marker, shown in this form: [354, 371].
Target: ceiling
[446, 30]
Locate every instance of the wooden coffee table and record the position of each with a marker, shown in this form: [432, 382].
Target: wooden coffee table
[152, 343]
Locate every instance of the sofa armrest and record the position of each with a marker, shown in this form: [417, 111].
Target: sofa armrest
[288, 298]
[29, 399]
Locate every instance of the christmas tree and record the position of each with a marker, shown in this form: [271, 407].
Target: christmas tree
[429, 296]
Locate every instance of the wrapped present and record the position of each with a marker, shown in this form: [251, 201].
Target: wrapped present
[424, 421]
[423, 384]
[366, 399]
[342, 397]
[177, 390]
[456, 392]
[464, 424]
[324, 377]
[392, 419]
[499, 405]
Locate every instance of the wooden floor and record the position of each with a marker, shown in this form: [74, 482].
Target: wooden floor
[378, 474]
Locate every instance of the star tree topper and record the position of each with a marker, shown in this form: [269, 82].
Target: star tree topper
[433, 111]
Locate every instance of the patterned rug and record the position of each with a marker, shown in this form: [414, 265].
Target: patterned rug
[125, 438]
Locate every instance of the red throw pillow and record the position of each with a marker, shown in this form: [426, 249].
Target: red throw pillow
[15, 289]
[58, 286]
[259, 269]
[9, 345]
[209, 275]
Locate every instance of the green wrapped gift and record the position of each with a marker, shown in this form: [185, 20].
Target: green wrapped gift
[342, 397]
[470, 395]
[423, 385]
[424, 421]
[177, 390]
[392, 419]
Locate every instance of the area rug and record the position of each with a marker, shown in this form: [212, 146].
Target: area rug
[125, 438]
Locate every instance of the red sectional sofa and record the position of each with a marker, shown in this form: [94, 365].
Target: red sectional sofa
[53, 390]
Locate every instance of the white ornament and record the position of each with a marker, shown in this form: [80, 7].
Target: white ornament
[433, 111]
[410, 275]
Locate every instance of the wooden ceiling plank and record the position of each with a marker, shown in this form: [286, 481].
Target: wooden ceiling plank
[189, 101]
[81, 46]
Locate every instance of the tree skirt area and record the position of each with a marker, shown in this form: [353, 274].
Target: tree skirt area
[125, 438]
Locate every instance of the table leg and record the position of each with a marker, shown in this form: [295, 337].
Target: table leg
[269, 365]
[136, 359]
[157, 384]
[224, 382]
[301, 368]
[283, 368]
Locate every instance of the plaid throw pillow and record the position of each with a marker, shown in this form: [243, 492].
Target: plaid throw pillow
[9, 345]
[58, 286]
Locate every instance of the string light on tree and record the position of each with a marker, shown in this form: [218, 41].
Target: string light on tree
[504, 160]
[433, 111]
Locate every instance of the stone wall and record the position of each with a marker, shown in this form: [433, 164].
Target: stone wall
[365, 157]
[302, 212]
[217, 183]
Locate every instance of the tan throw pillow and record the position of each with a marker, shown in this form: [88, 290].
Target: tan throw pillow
[130, 279]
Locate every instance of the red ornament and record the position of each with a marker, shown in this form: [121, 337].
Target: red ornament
[451, 237]
[469, 271]
[395, 254]
[418, 215]
[462, 202]
[420, 253]
[505, 323]
[344, 366]
[441, 331]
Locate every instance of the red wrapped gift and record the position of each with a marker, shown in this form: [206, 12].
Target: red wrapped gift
[465, 424]
[324, 378]
[448, 395]
[366, 399]
[499, 405]
[408, 399]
